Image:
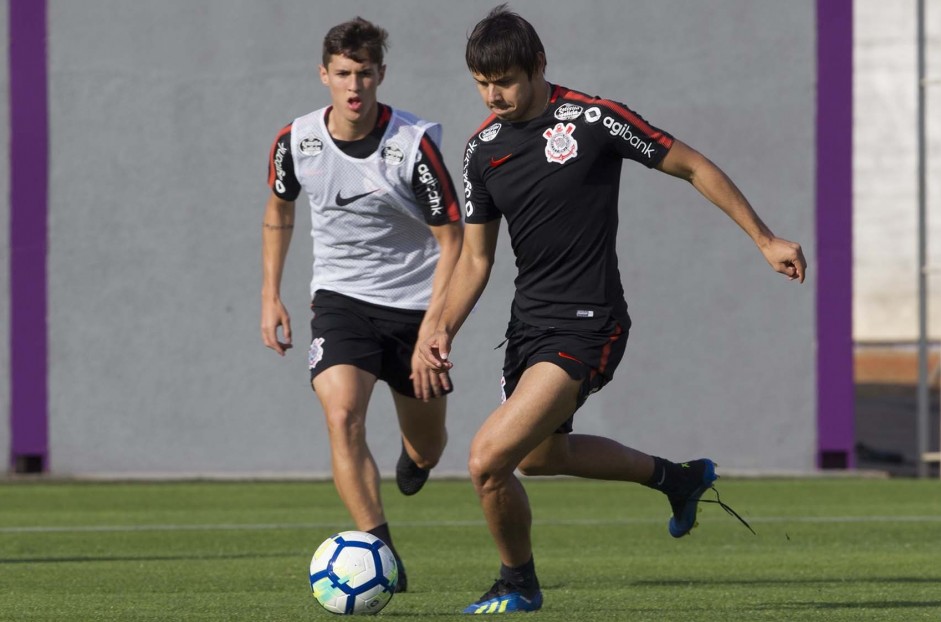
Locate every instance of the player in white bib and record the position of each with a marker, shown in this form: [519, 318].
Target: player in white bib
[387, 233]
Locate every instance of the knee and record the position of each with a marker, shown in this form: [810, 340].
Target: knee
[429, 450]
[345, 424]
[479, 472]
[428, 461]
[486, 471]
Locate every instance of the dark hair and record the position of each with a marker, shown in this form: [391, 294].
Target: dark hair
[502, 41]
[350, 38]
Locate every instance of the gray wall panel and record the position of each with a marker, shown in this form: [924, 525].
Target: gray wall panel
[162, 114]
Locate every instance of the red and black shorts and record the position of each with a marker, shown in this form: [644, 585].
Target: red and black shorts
[589, 356]
[379, 340]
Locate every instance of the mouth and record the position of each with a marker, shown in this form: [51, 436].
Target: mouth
[500, 109]
[354, 103]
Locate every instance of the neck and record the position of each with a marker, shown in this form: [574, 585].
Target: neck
[541, 96]
[352, 129]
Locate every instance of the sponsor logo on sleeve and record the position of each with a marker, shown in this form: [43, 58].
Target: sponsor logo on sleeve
[490, 133]
[468, 186]
[393, 154]
[279, 167]
[561, 145]
[312, 145]
[430, 182]
[593, 114]
[617, 128]
[567, 112]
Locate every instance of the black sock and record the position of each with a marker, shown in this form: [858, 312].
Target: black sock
[523, 576]
[382, 532]
[666, 475]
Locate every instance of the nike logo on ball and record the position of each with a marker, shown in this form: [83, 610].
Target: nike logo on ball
[341, 201]
[495, 162]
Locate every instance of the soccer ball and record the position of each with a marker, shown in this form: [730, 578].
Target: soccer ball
[353, 572]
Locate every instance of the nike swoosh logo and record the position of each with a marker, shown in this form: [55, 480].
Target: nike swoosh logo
[495, 162]
[341, 201]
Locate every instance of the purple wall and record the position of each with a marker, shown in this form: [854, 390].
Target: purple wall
[29, 412]
[834, 264]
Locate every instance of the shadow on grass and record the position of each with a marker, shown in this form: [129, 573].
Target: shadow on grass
[141, 558]
[773, 582]
[878, 604]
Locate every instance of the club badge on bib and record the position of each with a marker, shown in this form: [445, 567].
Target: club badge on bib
[560, 144]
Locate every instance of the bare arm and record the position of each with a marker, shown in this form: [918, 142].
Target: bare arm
[686, 163]
[450, 238]
[467, 284]
[277, 227]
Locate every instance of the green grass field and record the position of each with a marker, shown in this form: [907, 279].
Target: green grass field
[826, 549]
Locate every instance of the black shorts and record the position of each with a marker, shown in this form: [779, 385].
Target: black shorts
[377, 339]
[589, 356]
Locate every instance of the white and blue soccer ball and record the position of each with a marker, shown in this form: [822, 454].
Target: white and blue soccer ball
[353, 572]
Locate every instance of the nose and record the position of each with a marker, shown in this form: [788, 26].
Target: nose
[493, 94]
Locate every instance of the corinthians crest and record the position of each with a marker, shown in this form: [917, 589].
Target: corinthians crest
[560, 145]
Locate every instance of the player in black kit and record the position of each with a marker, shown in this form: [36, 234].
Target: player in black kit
[548, 160]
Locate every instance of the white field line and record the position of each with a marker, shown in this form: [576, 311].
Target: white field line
[465, 523]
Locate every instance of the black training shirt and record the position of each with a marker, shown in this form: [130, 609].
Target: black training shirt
[555, 179]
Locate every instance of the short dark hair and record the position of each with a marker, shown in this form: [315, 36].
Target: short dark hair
[350, 38]
[502, 41]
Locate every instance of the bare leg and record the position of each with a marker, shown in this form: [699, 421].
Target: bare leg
[594, 457]
[543, 399]
[423, 430]
[344, 393]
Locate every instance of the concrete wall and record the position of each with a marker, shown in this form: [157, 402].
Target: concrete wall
[885, 182]
[161, 116]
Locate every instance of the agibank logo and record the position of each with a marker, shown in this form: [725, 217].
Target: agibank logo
[616, 128]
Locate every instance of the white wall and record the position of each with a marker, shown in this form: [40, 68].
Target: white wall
[885, 191]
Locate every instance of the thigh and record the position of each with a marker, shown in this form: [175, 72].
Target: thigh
[544, 397]
[422, 423]
[344, 392]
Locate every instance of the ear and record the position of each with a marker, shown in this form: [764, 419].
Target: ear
[540, 63]
[323, 74]
[382, 74]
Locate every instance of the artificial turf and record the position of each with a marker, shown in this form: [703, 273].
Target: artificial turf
[826, 549]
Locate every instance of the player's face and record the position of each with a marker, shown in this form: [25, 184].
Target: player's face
[352, 86]
[513, 96]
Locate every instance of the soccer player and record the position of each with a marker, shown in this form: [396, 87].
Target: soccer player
[548, 159]
[387, 232]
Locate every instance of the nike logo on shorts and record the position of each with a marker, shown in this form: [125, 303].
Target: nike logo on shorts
[341, 201]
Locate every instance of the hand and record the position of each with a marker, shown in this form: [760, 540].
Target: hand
[273, 315]
[428, 383]
[785, 257]
[434, 351]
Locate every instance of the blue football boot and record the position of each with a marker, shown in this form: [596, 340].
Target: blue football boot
[505, 597]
